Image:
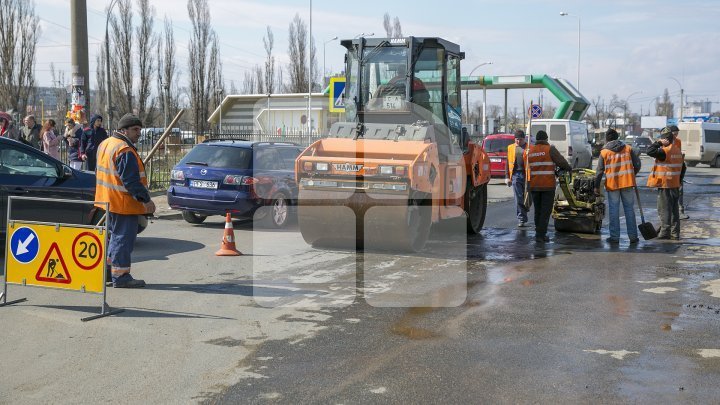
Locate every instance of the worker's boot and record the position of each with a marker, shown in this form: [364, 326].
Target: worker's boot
[127, 281]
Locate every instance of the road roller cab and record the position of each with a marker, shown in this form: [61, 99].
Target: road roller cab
[399, 161]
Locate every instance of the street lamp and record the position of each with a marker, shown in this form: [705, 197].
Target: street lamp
[564, 14]
[625, 110]
[682, 95]
[107, 65]
[467, 96]
[325, 43]
[364, 35]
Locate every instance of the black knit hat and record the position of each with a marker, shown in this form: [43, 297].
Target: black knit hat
[519, 134]
[611, 135]
[541, 135]
[674, 128]
[129, 120]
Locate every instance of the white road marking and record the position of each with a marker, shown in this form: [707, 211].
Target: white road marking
[713, 287]
[709, 353]
[660, 290]
[663, 280]
[352, 320]
[616, 354]
[380, 390]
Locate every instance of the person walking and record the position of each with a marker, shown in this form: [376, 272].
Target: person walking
[619, 164]
[50, 140]
[31, 132]
[90, 140]
[72, 135]
[8, 130]
[515, 175]
[666, 175]
[542, 159]
[121, 182]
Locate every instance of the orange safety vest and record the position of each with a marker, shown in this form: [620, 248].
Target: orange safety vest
[541, 168]
[511, 157]
[109, 186]
[619, 170]
[666, 174]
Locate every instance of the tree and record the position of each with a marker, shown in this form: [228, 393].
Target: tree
[269, 78]
[19, 34]
[665, 106]
[58, 84]
[167, 73]
[216, 85]
[146, 42]
[121, 70]
[297, 51]
[200, 39]
[599, 107]
[392, 29]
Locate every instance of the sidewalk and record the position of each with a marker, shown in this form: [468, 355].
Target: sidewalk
[163, 210]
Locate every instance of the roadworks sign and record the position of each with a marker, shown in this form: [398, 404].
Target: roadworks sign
[53, 256]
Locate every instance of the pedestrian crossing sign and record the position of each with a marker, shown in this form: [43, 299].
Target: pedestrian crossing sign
[336, 94]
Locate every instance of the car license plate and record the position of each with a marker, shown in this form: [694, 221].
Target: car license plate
[203, 184]
[392, 102]
[495, 160]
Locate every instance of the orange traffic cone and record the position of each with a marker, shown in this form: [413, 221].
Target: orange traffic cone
[227, 248]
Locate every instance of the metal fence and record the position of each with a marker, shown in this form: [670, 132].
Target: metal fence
[175, 147]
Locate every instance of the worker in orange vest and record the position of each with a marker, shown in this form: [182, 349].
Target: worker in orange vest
[667, 175]
[542, 159]
[515, 174]
[619, 164]
[122, 183]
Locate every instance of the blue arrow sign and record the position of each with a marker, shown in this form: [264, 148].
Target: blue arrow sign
[24, 245]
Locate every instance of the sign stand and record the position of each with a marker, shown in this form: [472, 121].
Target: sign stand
[71, 257]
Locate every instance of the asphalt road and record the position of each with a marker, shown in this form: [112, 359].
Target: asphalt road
[490, 318]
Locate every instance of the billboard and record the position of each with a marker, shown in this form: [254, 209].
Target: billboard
[653, 122]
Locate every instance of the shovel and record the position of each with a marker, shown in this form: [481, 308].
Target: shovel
[647, 230]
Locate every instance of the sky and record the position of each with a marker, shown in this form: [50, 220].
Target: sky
[629, 48]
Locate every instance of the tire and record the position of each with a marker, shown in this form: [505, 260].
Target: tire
[716, 162]
[691, 163]
[475, 207]
[193, 218]
[278, 212]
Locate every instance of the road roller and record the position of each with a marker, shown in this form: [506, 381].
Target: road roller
[398, 161]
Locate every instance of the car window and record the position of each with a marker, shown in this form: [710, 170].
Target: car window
[288, 156]
[267, 159]
[18, 162]
[497, 145]
[223, 157]
[557, 132]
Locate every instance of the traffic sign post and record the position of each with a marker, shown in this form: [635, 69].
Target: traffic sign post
[56, 255]
[336, 94]
[535, 111]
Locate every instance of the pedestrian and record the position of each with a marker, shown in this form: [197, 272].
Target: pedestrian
[50, 140]
[91, 138]
[667, 175]
[515, 175]
[8, 129]
[542, 159]
[31, 132]
[619, 164]
[72, 135]
[121, 182]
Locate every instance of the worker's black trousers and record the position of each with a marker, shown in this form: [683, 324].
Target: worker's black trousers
[543, 204]
[668, 207]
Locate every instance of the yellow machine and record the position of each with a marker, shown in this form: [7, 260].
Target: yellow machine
[400, 162]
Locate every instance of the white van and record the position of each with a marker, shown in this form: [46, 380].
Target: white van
[700, 142]
[569, 137]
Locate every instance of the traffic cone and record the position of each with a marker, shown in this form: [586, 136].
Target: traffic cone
[227, 248]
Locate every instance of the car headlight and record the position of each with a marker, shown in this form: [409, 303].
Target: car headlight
[322, 166]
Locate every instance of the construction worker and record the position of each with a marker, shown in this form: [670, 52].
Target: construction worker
[676, 140]
[542, 159]
[666, 175]
[620, 164]
[121, 182]
[515, 175]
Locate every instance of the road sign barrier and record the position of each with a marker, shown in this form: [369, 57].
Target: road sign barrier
[337, 90]
[56, 255]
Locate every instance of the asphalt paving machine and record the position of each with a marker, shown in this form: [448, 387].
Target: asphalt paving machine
[398, 162]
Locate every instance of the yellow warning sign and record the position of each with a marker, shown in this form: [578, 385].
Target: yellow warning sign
[58, 257]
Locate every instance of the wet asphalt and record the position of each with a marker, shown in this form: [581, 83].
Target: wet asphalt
[574, 320]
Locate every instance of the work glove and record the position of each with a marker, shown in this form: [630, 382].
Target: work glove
[508, 182]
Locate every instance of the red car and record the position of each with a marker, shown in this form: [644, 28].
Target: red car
[496, 147]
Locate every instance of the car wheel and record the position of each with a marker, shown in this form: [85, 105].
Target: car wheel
[193, 218]
[278, 212]
[716, 162]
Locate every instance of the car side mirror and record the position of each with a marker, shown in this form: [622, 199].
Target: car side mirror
[66, 172]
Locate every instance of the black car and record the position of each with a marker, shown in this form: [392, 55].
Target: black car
[642, 144]
[28, 172]
[247, 179]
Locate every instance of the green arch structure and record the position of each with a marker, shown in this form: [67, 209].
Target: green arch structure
[572, 104]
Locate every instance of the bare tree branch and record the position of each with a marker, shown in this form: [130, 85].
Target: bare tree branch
[146, 42]
[19, 34]
[200, 38]
[269, 77]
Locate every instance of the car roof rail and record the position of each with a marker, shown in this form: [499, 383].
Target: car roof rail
[225, 139]
[263, 143]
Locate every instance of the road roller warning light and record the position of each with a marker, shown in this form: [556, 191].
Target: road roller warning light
[398, 162]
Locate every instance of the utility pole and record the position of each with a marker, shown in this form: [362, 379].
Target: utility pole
[79, 55]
